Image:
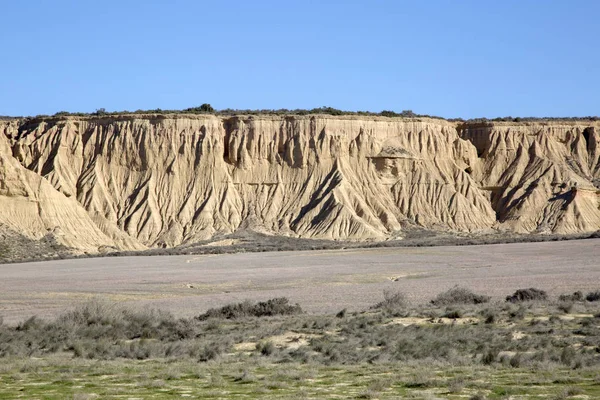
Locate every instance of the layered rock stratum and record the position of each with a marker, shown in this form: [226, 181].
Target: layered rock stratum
[140, 181]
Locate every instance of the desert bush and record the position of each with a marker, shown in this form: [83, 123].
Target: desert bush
[489, 357]
[392, 301]
[516, 360]
[107, 331]
[101, 319]
[459, 295]
[453, 313]
[593, 296]
[272, 307]
[576, 296]
[301, 354]
[30, 324]
[209, 352]
[565, 306]
[530, 294]
[567, 356]
[404, 114]
[456, 385]
[266, 348]
[567, 392]
[368, 394]
[490, 315]
[516, 313]
[204, 108]
[554, 318]
[477, 396]
[246, 377]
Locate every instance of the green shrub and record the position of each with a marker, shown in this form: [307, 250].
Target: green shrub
[326, 110]
[204, 108]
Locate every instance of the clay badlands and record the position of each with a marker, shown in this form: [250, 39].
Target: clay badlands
[133, 182]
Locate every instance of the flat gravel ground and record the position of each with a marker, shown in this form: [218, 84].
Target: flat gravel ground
[321, 281]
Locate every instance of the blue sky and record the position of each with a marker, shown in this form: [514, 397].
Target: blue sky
[448, 58]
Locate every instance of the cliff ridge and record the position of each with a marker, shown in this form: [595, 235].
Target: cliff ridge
[140, 181]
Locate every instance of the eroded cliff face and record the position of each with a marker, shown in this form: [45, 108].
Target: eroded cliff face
[132, 182]
[540, 177]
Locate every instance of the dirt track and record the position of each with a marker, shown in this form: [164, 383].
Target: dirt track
[321, 281]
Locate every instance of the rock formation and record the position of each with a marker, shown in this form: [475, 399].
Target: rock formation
[138, 181]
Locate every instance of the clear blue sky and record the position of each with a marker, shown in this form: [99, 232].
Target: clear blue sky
[448, 58]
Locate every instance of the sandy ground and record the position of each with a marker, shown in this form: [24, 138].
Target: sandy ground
[321, 281]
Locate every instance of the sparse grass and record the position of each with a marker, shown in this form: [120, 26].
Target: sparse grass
[64, 378]
[526, 349]
[105, 331]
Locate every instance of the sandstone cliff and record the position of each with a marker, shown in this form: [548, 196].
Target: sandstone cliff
[131, 182]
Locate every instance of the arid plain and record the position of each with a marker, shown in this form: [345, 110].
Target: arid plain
[320, 281]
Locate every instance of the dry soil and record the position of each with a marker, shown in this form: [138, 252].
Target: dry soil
[321, 281]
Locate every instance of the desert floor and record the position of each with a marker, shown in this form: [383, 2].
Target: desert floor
[320, 281]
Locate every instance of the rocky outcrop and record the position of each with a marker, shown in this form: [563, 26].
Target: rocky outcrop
[138, 181]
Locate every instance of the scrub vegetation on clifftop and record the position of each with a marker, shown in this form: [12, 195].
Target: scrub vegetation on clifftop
[206, 108]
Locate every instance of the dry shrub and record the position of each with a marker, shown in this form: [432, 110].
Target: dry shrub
[531, 294]
[593, 296]
[459, 295]
[392, 302]
[576, 296]
[272, 307]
